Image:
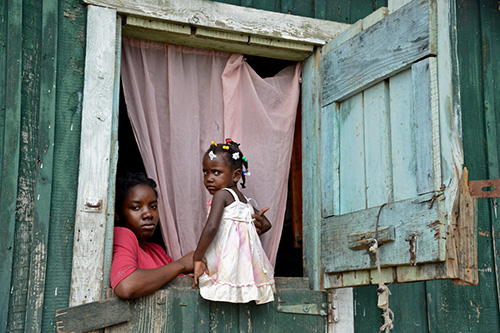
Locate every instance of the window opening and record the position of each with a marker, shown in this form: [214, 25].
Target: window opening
[289, 257]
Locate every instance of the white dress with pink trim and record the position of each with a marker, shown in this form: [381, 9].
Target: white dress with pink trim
[239, 270]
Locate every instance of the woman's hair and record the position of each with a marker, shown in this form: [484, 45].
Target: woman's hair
[126, 182]
[232, 154]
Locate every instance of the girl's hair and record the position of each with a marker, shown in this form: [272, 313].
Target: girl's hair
[232, 154]
[126, 182]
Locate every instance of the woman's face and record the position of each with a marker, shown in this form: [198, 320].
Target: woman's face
[140, 211]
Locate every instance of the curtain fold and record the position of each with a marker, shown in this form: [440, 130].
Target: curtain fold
[179, 99]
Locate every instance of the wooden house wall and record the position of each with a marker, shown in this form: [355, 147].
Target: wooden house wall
[41, 64]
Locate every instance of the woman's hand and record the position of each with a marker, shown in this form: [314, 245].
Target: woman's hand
[261, 222]
[199, 268]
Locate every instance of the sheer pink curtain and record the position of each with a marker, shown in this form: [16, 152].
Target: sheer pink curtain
[179, 99]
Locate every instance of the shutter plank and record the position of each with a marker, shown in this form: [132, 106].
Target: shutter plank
[426, 124]
[380, 51]
[329, 160]
[352, 155]
[408, 216]
[402, 138]
[377, 145]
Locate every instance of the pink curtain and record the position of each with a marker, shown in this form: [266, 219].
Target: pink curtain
[179, 99]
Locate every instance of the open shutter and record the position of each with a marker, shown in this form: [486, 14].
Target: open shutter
[391, 161]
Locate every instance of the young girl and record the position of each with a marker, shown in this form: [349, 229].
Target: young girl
[229, 262]
[140, 267]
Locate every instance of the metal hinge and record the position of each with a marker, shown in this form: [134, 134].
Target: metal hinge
[308, 309]
[489, 188]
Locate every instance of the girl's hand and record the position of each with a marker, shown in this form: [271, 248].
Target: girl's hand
[260, 224]
[199, 268]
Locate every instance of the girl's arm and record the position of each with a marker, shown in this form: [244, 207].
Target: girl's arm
[262, 224]
[143, 282]
[219, 201]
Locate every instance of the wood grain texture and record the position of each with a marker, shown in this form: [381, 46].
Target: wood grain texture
[229, 18]
[378, 52]
[409, 216]
[402, 137]
[11, 115]
[43, 193]
[90, 224]
[329, 159]
[94, 315]
[425, 114]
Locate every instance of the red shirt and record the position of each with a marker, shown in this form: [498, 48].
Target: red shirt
[129, 256]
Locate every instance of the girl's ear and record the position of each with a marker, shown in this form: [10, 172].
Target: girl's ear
[236, 175]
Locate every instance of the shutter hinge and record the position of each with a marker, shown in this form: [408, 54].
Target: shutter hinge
[489, 188]
[308, 309]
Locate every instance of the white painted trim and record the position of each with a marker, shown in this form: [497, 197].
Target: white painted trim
[230, 18]
[93, 179]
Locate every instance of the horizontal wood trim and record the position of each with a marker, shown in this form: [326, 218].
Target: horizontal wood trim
[407, 217]
[92, 316]
[230, 18]
[186, 35]
[379, 52]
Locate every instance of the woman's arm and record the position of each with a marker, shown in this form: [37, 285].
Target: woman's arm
[142, 282]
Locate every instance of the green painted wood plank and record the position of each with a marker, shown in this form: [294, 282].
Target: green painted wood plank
[11, 146]
[311, 112]
[92, 316]
[378, 158]
[70, 60]
[378, 52]
[418, 218]
[352, 165]
[477, 307]
[30, 61]
[43, 193]
[424, 84]
[402, 138]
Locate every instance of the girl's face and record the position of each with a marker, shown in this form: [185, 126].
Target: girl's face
[217, 174]
[140, 211]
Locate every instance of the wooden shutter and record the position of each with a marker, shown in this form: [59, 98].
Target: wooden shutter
[391, 161]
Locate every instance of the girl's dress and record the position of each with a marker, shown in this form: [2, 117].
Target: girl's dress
[239, 270]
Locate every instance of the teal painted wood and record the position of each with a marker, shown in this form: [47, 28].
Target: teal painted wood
[329, 159]
[311, 113]
[3, 75]
[352, 155]
[70, 60]
[30, 62]
[378, 157]
[409, 216]
[11, 145]
[43, 192]
[422, 124]
[180, 308]
[402, 137]
[378, 52]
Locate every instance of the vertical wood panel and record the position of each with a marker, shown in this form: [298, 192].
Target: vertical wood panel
[352, 155]
[70, 68]
[403, 145]
[378, 160]
[43, 191]
[329, 159]
[424, 110]
[90, 224]
[311, 113]
[11, 145]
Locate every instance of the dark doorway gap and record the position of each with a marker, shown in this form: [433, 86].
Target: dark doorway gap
[289, 258]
